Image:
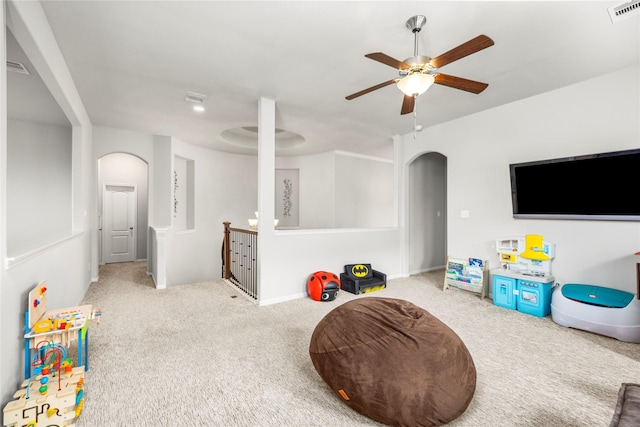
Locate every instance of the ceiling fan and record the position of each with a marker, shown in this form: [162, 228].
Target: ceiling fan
[419, 72]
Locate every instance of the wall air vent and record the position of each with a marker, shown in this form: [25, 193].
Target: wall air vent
[17, 67]
[624, 11]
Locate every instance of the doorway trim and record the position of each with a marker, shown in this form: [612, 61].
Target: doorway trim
[129, 230]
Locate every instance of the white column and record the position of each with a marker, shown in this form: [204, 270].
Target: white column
[266, 184]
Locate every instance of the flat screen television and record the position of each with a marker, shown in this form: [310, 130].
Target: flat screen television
[604, 186]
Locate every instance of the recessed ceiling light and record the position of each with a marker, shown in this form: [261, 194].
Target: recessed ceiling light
[197, 99]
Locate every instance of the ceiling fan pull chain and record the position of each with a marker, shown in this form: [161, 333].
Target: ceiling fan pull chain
[415, 118]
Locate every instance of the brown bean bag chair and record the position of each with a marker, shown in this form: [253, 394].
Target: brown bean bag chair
[394, 362]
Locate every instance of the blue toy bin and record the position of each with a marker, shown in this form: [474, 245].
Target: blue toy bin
[598, 309]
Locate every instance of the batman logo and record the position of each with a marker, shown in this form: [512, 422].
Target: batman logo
[359, 270]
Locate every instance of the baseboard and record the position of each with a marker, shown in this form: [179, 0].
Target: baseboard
[426, 270]
[281, 299]
[155, 282]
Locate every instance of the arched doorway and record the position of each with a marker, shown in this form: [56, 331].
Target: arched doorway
[427, 207]
[123, 201]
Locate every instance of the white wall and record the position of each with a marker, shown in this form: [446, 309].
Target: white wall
[65, 265]
[38, 185]
[224, 190]
[290, 256]
[343, 190]
[108, 140]
[317, 195]
[363, 191]
[594, 116]
[383, 151]
[286, 258]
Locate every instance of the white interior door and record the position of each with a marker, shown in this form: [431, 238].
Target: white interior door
[118, 223]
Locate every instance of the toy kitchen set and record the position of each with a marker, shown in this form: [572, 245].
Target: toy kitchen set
[524, 281]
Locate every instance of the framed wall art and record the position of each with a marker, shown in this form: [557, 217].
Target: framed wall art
[287, 197]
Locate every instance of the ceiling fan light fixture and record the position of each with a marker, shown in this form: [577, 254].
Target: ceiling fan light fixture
[415, 84]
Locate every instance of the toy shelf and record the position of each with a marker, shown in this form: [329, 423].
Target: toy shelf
[471, 275]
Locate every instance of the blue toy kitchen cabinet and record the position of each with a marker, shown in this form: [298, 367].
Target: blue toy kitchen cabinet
[527, 294]
[505, 291]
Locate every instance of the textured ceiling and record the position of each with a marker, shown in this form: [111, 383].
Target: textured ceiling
[133, 62]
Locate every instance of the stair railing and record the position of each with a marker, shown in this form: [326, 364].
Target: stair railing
[240, 259]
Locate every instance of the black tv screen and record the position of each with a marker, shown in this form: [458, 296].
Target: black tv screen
[604, 186]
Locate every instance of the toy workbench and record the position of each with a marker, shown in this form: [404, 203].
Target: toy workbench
[62, 326]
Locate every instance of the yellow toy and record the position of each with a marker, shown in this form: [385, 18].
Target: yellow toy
[534, 248]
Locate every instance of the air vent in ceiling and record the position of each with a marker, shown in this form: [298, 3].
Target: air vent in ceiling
[624, 11]
[17, 67]
[195, 97]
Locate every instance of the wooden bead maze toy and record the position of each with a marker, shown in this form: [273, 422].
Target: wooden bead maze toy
[62, 326]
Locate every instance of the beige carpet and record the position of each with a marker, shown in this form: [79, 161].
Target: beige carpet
[204, 355]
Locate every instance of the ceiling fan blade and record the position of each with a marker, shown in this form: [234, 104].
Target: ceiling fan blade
[472, 46]
[407, 104]
[371, 89]
[387, 60]
[460, 83]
